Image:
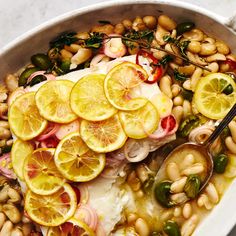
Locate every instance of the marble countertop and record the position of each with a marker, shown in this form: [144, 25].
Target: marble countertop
[17, 17]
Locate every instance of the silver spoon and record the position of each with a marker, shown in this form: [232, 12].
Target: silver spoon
[166, 153]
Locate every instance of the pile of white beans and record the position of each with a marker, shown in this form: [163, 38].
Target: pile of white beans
[13, 222]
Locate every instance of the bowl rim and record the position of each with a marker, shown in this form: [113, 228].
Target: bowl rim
[108, 3]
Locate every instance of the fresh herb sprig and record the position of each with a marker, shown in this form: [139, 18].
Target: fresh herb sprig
[66, 38]
[142, 38]
[182, 45]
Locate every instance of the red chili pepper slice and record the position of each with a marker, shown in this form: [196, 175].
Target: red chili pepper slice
[157, 71]
[231, 63]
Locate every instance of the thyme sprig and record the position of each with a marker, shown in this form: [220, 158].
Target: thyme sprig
[97, 39]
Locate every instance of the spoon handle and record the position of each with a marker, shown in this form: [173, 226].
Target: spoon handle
[230, 115]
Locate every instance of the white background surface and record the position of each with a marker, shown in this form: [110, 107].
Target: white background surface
[19, 16]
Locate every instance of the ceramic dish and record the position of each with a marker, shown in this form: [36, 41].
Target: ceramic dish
[16, 54]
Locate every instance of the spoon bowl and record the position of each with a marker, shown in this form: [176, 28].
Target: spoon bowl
[174, 153]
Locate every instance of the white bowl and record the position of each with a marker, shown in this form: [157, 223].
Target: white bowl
[16, 54]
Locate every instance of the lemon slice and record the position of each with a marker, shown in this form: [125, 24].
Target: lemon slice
[51, 210]
[121, 84]
[88, 99]
[20, 150]
[71, 227]
[103, 136]
[40, 172]
[138, 124]
[214, 95]
[53, 101]
[24, 118]
[76, 161]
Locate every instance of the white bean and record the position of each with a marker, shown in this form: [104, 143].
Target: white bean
[12, 213]
[178, 185]
[178, 101]
[175, 89]
[13, 195]
[195, 77]
[81, 56]
[187, 210]
[6, 229]
[203, 200]
[167, 214]
[179, 198]
[194, 46]
[165, 85]
[216, 57]
[187, 110]
[11, 82]
[160, 33]
[142, 227]
[4, 133]
[177, 211]
[189, 226]
[212, 193]
[2, 219]
[232, 127]
[178, 113]
[214, 67]
[187, 84]
[27, 228]
[222, 47]
[172, 171]
[4, 193]
[230, 144]
[166, 22]
[188, 161]
[207, 49]
[196, 168]
[194, 34]
[16, 232]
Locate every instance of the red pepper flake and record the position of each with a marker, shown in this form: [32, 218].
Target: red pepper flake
[168, 123]
[157, 70]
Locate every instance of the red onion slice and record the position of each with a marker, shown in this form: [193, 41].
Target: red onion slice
[136, 150]
[6, 166]
[87, 214]
[114, 47]
[51, 129]
[167, 126]
[41, 72]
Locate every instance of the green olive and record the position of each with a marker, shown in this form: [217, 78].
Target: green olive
[184, 27]
[162, 194]
[26, 74]
[6, 149]
[192, 186]
[228, 90]
[37, 79]
[187, 94]
[220, 163]
[65, 66]
[171, 228]
[42, 61]
[188, 125]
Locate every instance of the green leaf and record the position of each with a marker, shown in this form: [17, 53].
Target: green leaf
[66, 38]
[179, 76]
[147, 35]
[164, 60]
[104, 22]
[94, 41]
